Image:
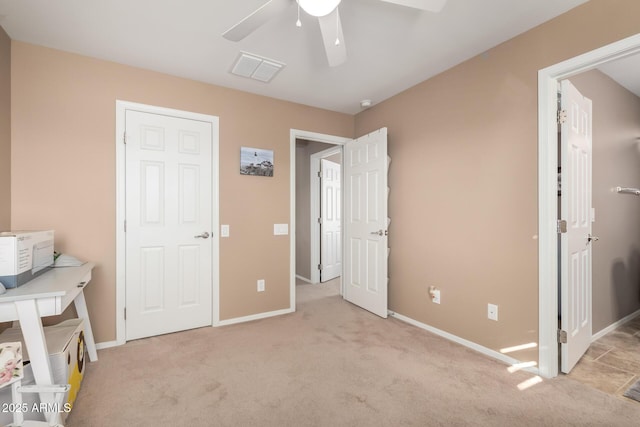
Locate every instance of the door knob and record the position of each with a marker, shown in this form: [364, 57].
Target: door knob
[204, 235]
[592, 238]
[380, 233]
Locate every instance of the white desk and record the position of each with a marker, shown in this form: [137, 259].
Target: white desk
[47, 295]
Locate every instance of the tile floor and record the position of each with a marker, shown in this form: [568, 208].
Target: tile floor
[612, 363]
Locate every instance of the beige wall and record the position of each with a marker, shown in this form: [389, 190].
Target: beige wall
[616, 162]
[5, 131]
[463, 180]
[463, 176]
[63, 149]
[336, 158]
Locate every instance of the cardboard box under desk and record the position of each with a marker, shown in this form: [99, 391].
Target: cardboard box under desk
[66, 347]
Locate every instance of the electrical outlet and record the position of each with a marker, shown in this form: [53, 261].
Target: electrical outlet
[280, 229]
[434, 293]
[436, 296]
[261, 285]
[492, 312]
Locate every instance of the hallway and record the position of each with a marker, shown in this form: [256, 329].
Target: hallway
[612, 363]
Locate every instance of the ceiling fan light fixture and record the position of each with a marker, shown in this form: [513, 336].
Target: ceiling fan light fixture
[318, 7]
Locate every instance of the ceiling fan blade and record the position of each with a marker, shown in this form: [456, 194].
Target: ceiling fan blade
[252, 22]
[428, 5]
[331, 29]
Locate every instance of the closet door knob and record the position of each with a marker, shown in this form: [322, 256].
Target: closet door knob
[592, 238]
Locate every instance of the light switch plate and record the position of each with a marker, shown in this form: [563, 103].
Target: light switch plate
[224, 230]
[492, 312]
[280, 229]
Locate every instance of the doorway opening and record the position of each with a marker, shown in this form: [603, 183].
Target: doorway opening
[365, 224]
[325, 218]
[310, 151]
[612, 296]
[548, 80]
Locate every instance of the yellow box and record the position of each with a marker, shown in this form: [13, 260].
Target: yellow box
[66, 346]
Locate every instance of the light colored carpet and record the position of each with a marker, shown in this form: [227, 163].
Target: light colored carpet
[633, 392]
[328, 364]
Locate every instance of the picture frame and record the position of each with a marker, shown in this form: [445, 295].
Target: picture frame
[256, 161]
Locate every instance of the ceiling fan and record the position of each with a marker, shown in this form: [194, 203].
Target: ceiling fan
[328, 16]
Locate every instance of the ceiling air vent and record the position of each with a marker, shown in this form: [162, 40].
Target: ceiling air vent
[256, 67]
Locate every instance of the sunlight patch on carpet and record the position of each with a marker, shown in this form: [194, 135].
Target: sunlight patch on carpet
[529, 383]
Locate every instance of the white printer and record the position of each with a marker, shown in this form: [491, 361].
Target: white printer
[24, 255]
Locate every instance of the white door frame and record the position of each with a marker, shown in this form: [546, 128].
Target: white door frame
[314, 191]
[121, 108]
[548, 79]
[295, 134]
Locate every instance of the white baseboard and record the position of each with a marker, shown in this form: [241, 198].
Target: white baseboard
[469, 344]
[254, 317]
[107, 344]
[615, 325]
[304, 279]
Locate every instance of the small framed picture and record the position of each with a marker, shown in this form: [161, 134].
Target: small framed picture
[256, 161]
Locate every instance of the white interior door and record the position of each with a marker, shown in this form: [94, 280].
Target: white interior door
[330, 225]
[576, 210]
[365, 242]
[168, 221]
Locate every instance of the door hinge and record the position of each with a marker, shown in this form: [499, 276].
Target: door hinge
[319, 174]
[562, 336]
[125, 225]
[124, 137]
[561, 226]
[319, 220]
[562, 116]
[125, 313]
[319, 266]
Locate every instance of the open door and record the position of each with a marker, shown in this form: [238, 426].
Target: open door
[365, 242]
[331, 223]
[576, 210]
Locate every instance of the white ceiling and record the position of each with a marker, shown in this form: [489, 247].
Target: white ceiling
[625, 72]
[390, 48]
